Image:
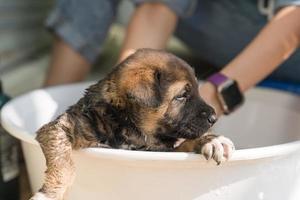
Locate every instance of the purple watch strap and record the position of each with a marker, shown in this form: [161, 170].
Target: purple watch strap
[217, 79]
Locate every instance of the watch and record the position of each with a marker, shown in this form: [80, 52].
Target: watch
[228, 92]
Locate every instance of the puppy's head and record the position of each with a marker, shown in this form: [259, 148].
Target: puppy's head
[160, 94]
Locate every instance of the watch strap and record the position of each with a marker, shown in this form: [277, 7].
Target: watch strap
[217, 79]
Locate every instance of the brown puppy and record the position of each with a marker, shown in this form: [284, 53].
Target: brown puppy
[148, 102]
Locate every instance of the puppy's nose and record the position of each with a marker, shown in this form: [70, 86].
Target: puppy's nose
[212, 119]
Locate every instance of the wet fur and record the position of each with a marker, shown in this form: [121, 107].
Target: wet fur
[132, 108]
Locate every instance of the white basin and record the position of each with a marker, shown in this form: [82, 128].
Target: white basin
[266, 164]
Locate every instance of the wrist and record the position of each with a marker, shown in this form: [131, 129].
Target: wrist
[228, 92]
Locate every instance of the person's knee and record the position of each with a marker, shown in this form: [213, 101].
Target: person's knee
[154, 8]
[83, 25]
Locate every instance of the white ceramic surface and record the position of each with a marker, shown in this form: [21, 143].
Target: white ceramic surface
[265, 166]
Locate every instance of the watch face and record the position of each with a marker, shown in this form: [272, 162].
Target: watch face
[231, 96]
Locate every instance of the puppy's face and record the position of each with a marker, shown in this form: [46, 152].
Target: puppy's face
[160, 93]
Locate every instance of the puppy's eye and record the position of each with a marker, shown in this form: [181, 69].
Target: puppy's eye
[181, 97]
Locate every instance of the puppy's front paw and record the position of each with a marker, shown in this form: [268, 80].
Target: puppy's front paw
[218, 148]
[40, 196]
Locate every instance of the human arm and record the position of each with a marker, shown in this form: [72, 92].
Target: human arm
[272, 46]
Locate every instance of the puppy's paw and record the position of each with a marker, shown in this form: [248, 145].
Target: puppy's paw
[40, 196]
[218, 148]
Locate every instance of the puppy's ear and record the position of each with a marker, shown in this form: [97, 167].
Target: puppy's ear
[144, 88]
[104, 91]
[111, 94]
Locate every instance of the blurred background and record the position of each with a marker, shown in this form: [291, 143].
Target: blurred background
[25, 44]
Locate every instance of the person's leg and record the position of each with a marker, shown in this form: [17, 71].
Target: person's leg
[150, 27]
[66, 65]
[80, 29]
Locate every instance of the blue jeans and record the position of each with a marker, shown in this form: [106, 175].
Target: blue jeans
[215, 30]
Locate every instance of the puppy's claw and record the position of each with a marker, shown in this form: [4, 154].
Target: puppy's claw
[218, 151]
[207, 151]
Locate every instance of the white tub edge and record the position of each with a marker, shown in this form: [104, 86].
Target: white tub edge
[119, 154]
